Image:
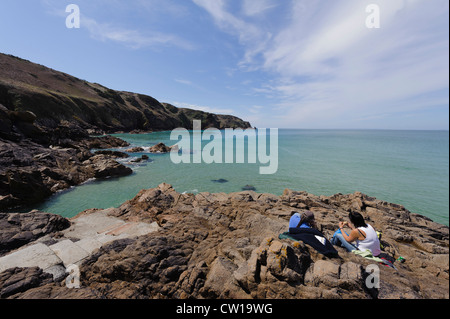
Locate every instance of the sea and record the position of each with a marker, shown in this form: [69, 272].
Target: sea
[410, 168]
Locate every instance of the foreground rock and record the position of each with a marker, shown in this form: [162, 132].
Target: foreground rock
[21, 229]
[227, 246]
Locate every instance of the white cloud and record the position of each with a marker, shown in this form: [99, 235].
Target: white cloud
[227, 21]
[129, 37]
[186, 82]
[331, 70]
[191, 84]
[252, 37]
[132, 38]
[357, 71]
[257, 7]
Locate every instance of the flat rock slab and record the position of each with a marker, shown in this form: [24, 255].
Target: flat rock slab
[99, 228]
[92, 224]
[69, 252]
[89, 244]
[39, 255]
[86, 234]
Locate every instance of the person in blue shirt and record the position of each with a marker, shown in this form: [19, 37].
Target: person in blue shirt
[303, 227]
[305, 220]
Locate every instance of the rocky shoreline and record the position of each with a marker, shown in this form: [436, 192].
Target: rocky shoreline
[36, 162]
[46, 121]
[163, 244]
[226, 246]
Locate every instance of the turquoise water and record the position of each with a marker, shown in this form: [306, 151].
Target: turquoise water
[410, 168]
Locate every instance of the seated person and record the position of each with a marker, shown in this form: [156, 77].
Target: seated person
[362, 235]
[305, 220]
[303, 227]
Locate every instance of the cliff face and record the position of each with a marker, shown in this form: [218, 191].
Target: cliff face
[46, 118]
[228, 246]
[55, 96]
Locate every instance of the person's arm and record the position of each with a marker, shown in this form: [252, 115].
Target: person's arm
[354, 235]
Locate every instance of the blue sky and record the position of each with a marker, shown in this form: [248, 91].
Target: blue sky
[276, 63]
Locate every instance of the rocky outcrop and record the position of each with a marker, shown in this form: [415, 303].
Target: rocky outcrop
[33, 167]
[228, 246]
[18, 230]
[47, 117]
[162, 148]
[30, 173]
[28, 87]
[23, 281]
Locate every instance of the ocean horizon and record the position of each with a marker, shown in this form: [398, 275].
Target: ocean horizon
[406, 167]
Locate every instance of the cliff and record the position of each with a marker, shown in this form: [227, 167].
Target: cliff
[47, 117]
[172, 245]
[55, 96]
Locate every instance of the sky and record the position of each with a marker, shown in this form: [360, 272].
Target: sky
[309, 64]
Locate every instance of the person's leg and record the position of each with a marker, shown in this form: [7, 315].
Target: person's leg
[339, 240]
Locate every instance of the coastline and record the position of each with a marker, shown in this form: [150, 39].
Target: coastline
[299, 169]
[208, 245]
[219, 239]
[170, 245]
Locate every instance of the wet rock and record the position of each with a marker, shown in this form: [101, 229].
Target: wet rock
[143, 158]
[100, 166]
[31, 172]
[114, 154]
[160, 148]
[220, 181]
[135, 150]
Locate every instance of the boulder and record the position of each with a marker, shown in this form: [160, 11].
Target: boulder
[160, 148]
[27, 116]
[220, 181]
[21, 229]
[100, 166]
[19, 280]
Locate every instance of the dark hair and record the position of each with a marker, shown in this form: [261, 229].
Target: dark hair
[308, 218]
[357, 219]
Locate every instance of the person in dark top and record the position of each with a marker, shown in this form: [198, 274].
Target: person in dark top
[304, 228]
[305, 220]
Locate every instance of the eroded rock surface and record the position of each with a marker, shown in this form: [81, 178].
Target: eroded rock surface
[227, 246]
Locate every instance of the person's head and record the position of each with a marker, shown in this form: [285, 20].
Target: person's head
[357, 219]
[308, 218]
